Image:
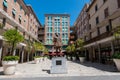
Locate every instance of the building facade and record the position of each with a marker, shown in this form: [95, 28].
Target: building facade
[104, 18]
[15, 14]
[57, 23]
[82, 23]
[41, 32]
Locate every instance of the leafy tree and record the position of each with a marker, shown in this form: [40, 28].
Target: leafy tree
[1, 26]
[117, 34]
[71, 49]
[13, 37]
[80, 43]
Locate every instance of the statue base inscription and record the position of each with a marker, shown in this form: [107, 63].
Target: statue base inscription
[59, 65]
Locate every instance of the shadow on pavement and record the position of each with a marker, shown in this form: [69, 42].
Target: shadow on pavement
[99, 66]
[48, 71]
[1, 73]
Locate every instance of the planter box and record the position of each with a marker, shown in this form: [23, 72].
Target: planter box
[117, 63]
[9, 67]
[82, 59]
[73, 58]
[36, 60]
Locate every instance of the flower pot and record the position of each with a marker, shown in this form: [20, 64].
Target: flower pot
[73, 58]
[82, 59]
[69, 57]
[117, 63]
[9, 67]
[36, 60]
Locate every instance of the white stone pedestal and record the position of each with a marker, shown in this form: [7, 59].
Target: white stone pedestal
[59, 65]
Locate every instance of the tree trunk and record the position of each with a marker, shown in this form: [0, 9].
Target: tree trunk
[28, 57]
[12, 50]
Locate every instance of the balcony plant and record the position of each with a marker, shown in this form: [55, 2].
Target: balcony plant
[12, 37]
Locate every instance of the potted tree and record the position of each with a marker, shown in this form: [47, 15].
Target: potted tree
[13, 37]
[68, 49]
[38, 47]
[72, 50]
[45, 52]
[79, 45]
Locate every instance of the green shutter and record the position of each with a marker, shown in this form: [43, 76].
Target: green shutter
[5, 4]
[14, 11]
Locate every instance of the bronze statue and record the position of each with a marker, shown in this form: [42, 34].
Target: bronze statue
[57, 43]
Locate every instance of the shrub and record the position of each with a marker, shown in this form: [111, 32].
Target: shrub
[11, 58]
[38, 57]
[116, 56]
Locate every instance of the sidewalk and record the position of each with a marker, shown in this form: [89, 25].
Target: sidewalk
[74, 69]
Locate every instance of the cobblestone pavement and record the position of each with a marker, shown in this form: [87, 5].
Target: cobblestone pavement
[42, 69]
[69, 78]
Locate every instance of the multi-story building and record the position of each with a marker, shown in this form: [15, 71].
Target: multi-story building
[15, 14]
[82, 23]
[72, 37]
[41, 31]
[57, 23]
[104, 17]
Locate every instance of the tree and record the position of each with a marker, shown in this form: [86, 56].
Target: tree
[1, 26]
[13, 37]
[38, 46]
[80, 43]
[117, 34]
[71, 49]
[29, 48]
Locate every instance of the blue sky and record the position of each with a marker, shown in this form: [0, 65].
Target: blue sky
[72, 7]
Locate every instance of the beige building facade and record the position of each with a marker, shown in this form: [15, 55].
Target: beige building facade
[103, 19]
[15, 14]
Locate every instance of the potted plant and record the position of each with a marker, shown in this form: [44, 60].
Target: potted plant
[68, 49]
[81, 58]
[9, 64]
[13, 37]
[79, 45]
[37, 59]
[116, 59]
[45, 52]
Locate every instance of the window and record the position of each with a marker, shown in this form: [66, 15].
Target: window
[97, 20]
[108, 28]
[118, 3]
[104, 1]
[98, 31]
[15, 1]
[5, 5]
[89, 26]
[96, 8]
[20, 19]
[21, 7]
[4, 21]
[90, 35]
[13, 13]
[106, 13]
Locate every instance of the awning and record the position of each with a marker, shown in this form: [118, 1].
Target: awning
[100, 41]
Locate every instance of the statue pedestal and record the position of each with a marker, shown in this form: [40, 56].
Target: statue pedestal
[59, 65]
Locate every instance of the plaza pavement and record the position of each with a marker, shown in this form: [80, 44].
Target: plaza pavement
[42, 69]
